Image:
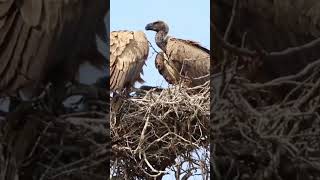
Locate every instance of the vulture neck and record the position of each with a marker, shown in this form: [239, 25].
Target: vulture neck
[161, 39]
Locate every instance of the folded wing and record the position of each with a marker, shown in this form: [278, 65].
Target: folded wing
[191, 60]
[41, 36]
[128, 53]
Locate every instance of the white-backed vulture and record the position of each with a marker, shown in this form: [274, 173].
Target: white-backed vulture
[46, 41]
[186, 60]
[128, 53]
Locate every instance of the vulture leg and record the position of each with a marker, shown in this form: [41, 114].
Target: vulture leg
[116, 103]
[118, 98]
[125, 93]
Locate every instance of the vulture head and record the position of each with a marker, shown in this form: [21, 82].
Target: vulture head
[162, 30]
[157, 26]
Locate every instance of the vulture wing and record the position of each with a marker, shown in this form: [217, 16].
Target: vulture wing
[128, 53]
[190, 59]
[167, 69]
[36, 35]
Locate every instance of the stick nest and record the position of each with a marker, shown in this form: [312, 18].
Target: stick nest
[267, 130]
[154, 127]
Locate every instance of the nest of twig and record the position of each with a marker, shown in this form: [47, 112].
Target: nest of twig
[155, 128]
[267, 130]
[37, 144]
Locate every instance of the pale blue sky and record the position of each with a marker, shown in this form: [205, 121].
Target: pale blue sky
[187, 19]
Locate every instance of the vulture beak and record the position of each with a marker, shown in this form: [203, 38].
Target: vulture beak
[149, 26]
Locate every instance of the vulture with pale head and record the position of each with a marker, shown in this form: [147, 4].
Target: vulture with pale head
[128, 53]
[181, 60]
[45, 41]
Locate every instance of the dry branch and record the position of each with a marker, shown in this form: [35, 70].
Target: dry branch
[157, 127]
[258, 133]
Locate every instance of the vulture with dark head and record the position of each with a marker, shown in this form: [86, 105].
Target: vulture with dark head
[45, 41]
[181, 60]
[128, 53]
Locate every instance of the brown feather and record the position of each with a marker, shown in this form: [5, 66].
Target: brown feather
[191, 60]
[193, 43]
[167, 69]
[185, 61]
[39, 38]
[128, 53]
[5, 6]
[31, 11]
